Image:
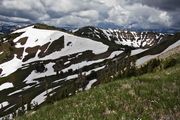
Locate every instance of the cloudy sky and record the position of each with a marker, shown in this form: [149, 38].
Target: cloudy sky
[127, 13]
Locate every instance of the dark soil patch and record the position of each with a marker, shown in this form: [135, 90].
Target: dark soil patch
[31, 53]
[23, 40]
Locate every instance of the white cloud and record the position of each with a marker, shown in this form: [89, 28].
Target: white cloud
[138, 14]
[63, 6]
[90, 14]
[86, 12]
[69, 20]
[23, 5]
[14, 19]
[109, 3]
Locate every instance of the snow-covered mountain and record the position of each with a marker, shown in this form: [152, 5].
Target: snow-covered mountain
[124, 38]
[37, 60]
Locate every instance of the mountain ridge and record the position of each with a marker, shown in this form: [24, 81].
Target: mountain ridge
[38, 54]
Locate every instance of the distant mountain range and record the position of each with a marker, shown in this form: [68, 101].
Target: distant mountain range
[6, 28]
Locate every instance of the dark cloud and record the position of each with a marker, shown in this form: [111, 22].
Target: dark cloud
[168, 5]
[127, 13]
[172, 7]
[6, 19]
[18, 13]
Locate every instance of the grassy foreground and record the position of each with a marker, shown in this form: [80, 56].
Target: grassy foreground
[150, 96]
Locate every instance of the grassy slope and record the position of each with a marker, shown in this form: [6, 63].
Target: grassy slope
[150, 96]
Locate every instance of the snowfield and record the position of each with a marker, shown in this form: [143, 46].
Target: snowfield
[135, 41]
[41, 37]
[50, 70]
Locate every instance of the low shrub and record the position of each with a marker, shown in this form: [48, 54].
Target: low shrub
[168, 62]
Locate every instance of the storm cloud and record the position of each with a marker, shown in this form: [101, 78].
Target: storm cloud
[137, 13]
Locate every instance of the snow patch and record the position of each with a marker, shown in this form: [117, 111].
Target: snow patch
[35, 75]
[137, 51]
[66, 62]
[90, 84]
[42, 97]
[4, 104]
[76, 75]
[81, 65]
[18, 91]
[1, 53]
[115, 53]
[6, 86]
[10, 66]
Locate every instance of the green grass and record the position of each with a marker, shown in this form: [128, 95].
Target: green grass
[150, 96]
[47, 27]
